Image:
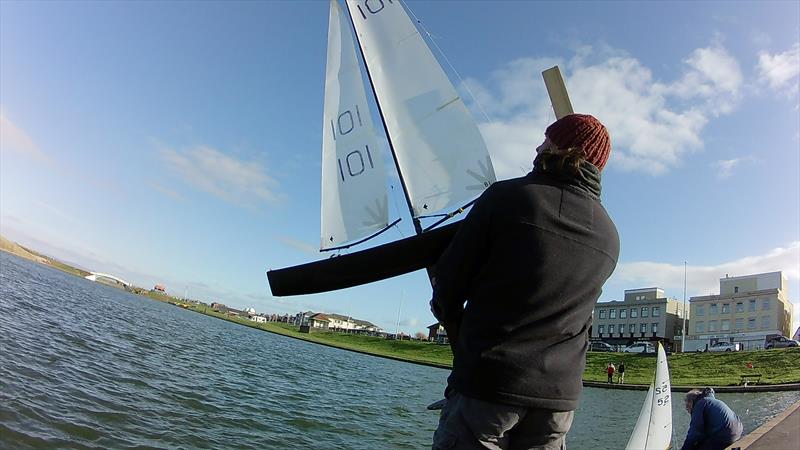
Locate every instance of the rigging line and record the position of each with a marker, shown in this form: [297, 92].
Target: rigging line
[447, 60]
[451, 214]
[396, 209]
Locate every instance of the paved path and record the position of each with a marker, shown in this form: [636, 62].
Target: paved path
[780, 433]
[751, 388]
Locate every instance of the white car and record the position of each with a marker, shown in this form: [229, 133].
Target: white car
[723, 347]
[640, 347]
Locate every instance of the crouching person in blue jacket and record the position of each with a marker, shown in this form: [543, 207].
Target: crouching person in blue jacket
[713, 426]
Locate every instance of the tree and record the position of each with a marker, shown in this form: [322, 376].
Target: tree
[421, 336]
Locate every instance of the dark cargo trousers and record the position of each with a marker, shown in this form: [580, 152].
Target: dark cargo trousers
[469, 423]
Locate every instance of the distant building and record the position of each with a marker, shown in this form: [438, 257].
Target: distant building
[436, 333]
[747, 310]
[258, 319]
[644, 314]
[159, 288]
[319, 320]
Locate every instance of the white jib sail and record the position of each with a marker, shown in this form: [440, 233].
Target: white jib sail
[354, 202]
[441, 153]
[653, 429]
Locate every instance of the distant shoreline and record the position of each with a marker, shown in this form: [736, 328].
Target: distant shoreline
[779, 368]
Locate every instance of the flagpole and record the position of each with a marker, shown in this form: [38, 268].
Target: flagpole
[683, 334]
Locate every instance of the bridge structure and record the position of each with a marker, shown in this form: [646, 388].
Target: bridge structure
[95, 275]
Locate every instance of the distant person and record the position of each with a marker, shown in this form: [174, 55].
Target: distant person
[713, 426]
[610, 370]
[621, 373]
[529, 260]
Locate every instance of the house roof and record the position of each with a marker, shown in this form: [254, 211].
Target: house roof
[436, 325]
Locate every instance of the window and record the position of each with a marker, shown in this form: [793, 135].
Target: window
[601, 329]
[751, 323]
[656, 311]
[612, 314]
[712, 325]
[700, 310]
[736, 289]
[726, 308]
[739, 324]
[752, 306]
[739, 307]
[726, 325]
[611, 329]
[764, 321]
[645, 310]
[602, 313]
[654, 327]
[712, 309]
[765, 305]
[634, 313]
[623, 313]
[643, 328]
[632, 328]
[700, 327]
[621, 328]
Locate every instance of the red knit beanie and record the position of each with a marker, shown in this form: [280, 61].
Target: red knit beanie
[584, 131]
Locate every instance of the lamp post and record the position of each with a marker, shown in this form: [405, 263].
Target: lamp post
[683, 333]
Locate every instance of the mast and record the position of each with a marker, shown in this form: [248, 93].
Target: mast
[415, 220]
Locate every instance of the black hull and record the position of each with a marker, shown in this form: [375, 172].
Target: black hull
[366, 266]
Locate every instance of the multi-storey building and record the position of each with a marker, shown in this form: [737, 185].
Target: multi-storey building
[644, 314]
[747, 310]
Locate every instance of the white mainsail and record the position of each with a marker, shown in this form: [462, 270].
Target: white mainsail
[653, 429]
[440, 152]
[354, 200]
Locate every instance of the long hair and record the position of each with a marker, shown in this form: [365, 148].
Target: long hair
[566, 162]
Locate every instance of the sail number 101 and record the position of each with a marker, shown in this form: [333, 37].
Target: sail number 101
[354, 163]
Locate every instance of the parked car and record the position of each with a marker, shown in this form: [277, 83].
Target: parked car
[781, 342]
[640, 347]
[723, 347]
[600, 347]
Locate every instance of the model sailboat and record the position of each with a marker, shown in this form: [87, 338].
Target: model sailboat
[439, 154]
[653, 429]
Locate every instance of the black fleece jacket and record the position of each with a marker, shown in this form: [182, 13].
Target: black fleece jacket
[529, 260]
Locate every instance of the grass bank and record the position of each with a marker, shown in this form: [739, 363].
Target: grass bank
[686, 369]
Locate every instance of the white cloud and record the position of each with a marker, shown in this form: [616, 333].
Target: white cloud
[166, 191]
[302, 246]
[715, 75]
[235, 181]
[653, 124]
[781, 70]
[14, 138]
[725, 167]
[704, 280]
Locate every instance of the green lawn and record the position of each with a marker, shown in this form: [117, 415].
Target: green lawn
[702, 369]
[686, 369]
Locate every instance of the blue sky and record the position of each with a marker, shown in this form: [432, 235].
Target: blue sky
[179, 142]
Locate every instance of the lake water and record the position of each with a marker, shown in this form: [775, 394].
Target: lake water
[83, 365]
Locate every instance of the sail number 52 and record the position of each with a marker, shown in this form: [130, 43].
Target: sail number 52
[663, 389]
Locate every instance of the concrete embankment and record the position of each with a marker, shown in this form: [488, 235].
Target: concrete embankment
[780, 433]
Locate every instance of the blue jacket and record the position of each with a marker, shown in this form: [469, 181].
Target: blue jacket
[713, 426]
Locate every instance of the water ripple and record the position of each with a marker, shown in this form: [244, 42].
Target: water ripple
[84, 365]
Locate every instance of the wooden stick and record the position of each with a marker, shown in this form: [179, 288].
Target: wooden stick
[557, 91]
